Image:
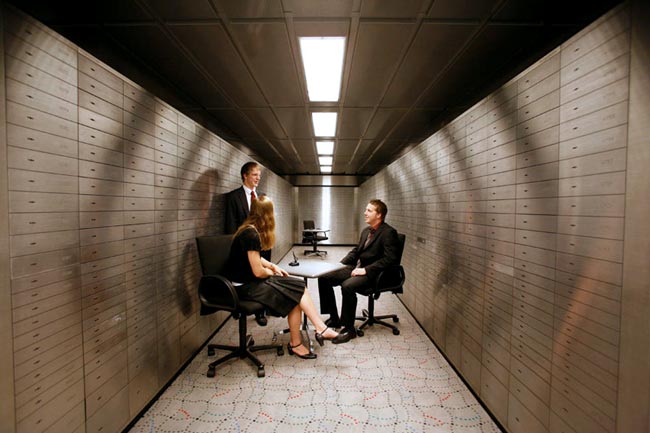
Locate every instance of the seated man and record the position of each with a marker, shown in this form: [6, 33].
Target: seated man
[376, 250]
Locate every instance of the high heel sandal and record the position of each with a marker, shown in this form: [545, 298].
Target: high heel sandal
[290, 348]
[319, 336]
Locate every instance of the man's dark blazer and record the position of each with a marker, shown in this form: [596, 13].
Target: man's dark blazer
[236, 209]
[378, 254]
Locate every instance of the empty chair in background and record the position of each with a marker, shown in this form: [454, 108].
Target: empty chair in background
[313, 235]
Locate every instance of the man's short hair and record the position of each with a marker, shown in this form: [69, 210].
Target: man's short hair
[246, 168]
[380, 207]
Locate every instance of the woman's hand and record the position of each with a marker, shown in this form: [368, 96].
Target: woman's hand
[278, 270]
[281, 271]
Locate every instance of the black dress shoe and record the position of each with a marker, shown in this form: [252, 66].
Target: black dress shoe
[344, 336]
[320, 338]
[334, 324]
[309, 355]
[261, 319]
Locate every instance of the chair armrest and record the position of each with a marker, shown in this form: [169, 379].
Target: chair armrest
[390, 279]
[218, 292]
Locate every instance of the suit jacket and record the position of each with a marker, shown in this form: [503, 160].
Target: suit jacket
[236, 209]
[378, 254]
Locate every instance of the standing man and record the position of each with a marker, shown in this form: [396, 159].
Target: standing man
[238, 205]
[376, 250]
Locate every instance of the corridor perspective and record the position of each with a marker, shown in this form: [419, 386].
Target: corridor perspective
[380, 383]
[508, 139]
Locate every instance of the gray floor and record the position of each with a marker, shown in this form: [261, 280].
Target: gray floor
[376, 383]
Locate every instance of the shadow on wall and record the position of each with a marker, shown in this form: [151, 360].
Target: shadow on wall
[198, 216]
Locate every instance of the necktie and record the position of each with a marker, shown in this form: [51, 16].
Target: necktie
[253, 196]
[371, 233]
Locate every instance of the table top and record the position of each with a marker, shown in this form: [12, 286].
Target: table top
[316, 230]
[312, 268]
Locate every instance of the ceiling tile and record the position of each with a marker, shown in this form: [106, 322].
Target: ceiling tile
[265, 122]
[155, 48]
[554, 11]
[250, 8]
[361, 158]
[266, 47]
[354, 122]
[415, 120]
[379, 156]
[344, 150]
[329, 8]
[364, 150]
[227, 68]
[174, 10]
[69, 11]
[383, 121]
[119, 10]
[376, 55]
[306, 149]
[434, 46]
[327, 28]
[236, 121]
[295, 121]
[392, 9]
[461, 9]
[494, 49]
[286, 149]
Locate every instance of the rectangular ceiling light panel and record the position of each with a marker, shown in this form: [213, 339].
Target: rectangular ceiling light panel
[324, 124]
[326, 169]
[322, 58]
[325, 160]
[325, 147]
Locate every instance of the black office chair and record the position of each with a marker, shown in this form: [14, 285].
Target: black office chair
[390, 279]
[313, 238]
[217, 293]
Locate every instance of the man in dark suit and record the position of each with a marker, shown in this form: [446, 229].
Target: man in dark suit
[238, 201]
[238, 205]
[377, 249]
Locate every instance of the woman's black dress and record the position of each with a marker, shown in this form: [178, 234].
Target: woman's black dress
[279, 294]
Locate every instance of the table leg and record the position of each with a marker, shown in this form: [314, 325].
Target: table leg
[305, 325]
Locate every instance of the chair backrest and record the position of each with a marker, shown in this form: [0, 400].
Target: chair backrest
[393, 277]
[213, 253]
[402, 240]
[308, 225]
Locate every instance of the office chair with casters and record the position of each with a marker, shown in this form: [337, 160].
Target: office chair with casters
[217, 292]
[390, 279]
[309, 236]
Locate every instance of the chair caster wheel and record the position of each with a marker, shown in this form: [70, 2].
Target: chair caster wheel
[395, 331]
[360, 333]
[260, 372]
[395, 319]
[280, 351]
[210, 352]
[211, 372]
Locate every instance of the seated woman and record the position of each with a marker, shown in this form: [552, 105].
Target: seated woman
[267, 283]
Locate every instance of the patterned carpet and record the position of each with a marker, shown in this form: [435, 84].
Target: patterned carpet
[376, 383]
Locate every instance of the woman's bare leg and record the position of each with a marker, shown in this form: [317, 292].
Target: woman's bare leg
[307, 305]
[294, 318]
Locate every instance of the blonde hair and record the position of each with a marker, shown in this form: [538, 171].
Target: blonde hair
[261, 217]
